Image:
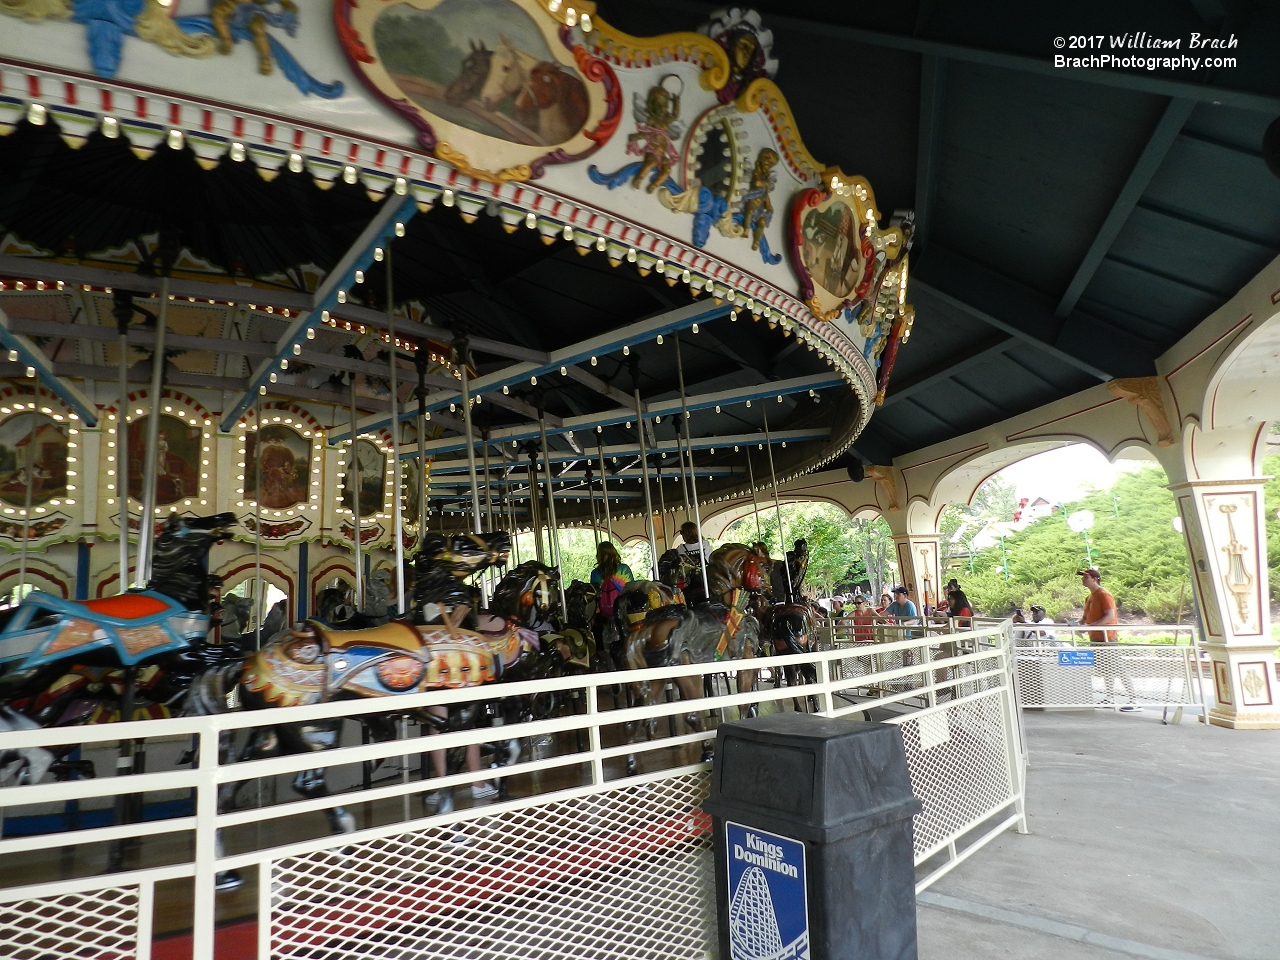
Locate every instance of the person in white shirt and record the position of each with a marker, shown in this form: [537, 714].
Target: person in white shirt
[1040, 619]
[692, 548]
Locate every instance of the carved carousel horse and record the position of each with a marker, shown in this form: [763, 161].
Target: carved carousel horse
[132, 655]
[792, 628]
[720, 630]
[316, 663]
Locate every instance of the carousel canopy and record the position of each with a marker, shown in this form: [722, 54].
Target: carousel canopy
[1068, 226]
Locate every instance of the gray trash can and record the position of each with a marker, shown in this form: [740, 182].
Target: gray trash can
[813, 840]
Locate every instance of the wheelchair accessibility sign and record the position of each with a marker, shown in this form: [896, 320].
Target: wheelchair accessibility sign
[768, 911]
[1075, 658]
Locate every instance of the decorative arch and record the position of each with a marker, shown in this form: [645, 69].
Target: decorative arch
[41, 574]
[244, 567]
[326, 571]
[1240, 399]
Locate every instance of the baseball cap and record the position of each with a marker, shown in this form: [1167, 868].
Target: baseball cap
[1091, 571]
[901, 590]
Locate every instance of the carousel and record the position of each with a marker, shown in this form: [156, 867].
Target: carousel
[312, 316]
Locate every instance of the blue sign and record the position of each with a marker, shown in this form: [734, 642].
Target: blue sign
[768, 909]
[1075, 658]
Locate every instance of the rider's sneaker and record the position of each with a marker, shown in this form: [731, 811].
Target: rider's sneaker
[442, 800]
[483, 791]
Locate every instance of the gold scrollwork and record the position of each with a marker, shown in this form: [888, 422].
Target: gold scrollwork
[763, 92]
[445, 152]
[611, 43]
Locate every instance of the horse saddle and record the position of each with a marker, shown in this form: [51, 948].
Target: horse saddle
[136, 625]
[316, 663]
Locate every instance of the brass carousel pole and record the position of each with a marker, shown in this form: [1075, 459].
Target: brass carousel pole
[662, 504]
[257, 526]
[397, 507]
[693, 480]
[648, 500]
[122, 443]
[535, 521]
[147, 528]
[604, 490]
[751, 475]
[553, 536]
[591, 496]
[420, 362]
[26, 513]
[684, 477]
[460, 347]
[353, 487]
[777, 503]
[491, 574]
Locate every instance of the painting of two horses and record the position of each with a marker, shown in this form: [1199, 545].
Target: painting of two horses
[483, 65]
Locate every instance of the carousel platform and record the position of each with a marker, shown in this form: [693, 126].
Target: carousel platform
[1146, 840]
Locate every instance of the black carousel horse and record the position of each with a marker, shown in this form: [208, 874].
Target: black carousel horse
[133, 656]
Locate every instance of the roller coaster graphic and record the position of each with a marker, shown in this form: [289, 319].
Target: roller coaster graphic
[753, 923]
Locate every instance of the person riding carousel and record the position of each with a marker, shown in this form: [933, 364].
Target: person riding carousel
[609, 577]
[693, 555]
[797, 566]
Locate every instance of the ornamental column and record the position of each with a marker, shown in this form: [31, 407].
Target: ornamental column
[916, 544]
[1225, 528]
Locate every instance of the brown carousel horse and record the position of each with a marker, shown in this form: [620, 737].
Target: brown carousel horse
[723, 629]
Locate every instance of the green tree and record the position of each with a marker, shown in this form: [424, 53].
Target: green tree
[839, 548]
[1142, 558]
[996, 499]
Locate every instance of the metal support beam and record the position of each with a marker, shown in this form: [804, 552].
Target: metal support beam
[954, 365]
[25, 352]
[339, 279]
[665, 408]
[1162, 138]
[1027, 315]
[631, 335]
[933, 86]
[631, 450]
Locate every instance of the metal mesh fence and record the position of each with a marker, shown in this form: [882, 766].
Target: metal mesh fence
[587, 867]
[958, 760]
[1115, 675]
[101, 925]
[623, 873]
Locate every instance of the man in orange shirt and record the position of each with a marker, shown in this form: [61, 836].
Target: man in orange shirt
[1099, 608]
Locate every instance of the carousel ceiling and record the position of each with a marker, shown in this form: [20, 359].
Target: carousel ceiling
[1069, 226]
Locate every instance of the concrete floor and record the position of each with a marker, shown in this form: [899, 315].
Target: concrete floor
[1146, 840]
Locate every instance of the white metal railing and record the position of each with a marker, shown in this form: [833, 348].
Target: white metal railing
[1070, 665]
[585, 858]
